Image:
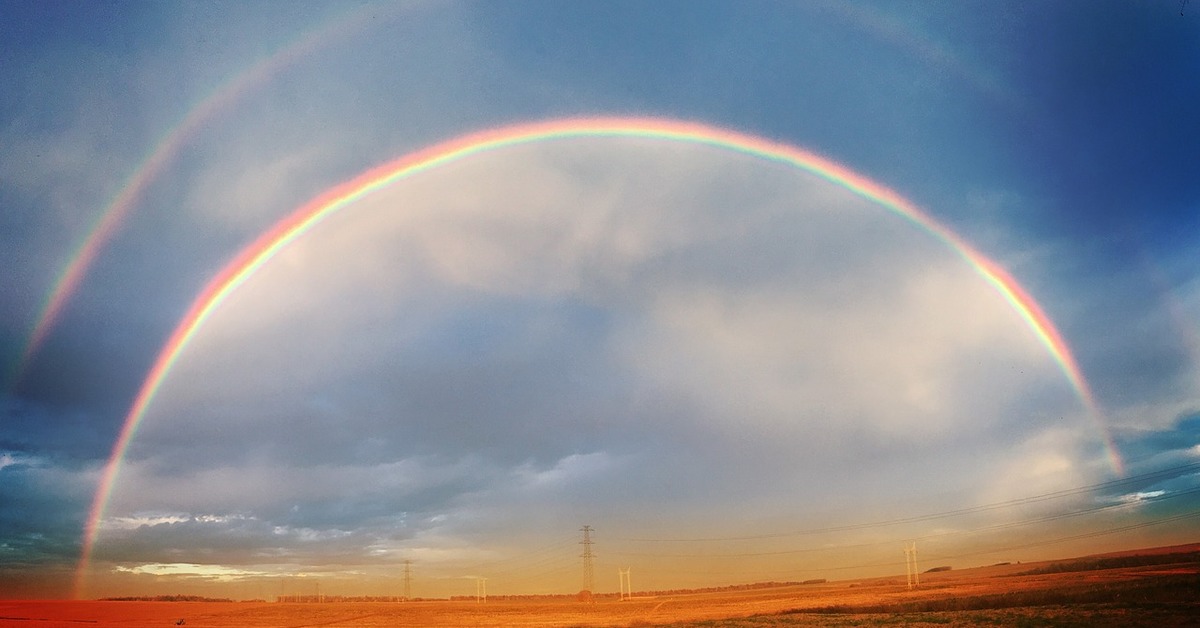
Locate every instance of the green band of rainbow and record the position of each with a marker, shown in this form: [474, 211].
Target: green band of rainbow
[253, 257]
[110, 219]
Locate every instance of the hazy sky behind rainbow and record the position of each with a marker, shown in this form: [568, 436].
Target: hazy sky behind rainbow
[732, 368]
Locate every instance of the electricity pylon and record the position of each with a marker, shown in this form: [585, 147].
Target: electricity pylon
[910, 565]
[407, 580]
[626, 585]
[587, 556]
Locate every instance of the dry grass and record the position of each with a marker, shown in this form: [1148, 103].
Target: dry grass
[1160, 596]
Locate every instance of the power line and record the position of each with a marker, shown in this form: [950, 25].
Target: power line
[991, 528]
[985, 552]
[549, 564]
[558, 572]
[1044, 542]
[1118, 483]
[1086, 535]
[549, 550]
[548, 554]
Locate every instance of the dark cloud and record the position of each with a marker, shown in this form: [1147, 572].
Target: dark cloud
[44, 511]
[63, 434]
[1172, 445]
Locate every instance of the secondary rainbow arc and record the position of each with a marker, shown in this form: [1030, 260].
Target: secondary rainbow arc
[170, 145]
[264, 248]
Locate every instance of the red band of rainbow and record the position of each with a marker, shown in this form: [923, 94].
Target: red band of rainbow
[109, 222]
[253, 257]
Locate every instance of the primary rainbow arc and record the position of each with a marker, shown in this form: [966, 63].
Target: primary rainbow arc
[262, 250]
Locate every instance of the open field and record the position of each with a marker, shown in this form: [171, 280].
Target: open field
[1152, 588]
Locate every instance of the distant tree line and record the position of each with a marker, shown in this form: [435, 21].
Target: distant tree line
[315, 599]
[732, 587]
[573, 596]
[165, 598]
[1114, 562]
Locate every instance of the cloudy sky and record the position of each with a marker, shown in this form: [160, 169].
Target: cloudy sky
[731, 368]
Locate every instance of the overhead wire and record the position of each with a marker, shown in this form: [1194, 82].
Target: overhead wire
[552, 561]
[1060, 494]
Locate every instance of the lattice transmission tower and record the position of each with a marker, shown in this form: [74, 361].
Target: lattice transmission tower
[587, 556]
[407, 580]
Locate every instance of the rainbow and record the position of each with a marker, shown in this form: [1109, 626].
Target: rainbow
[108, 223]
[304, 219]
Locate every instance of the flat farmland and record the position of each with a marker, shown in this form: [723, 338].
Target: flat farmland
[1133, 589]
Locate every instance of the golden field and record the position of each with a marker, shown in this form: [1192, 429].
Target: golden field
[1159, 588]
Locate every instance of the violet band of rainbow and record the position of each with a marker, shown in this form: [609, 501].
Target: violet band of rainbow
[308, 216]
[113, 216]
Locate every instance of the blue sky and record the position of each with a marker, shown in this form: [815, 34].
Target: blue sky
[661, 340]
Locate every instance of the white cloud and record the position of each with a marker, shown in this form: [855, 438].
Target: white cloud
[215, 572]
[244, 190]
[566, 470]
[1140, 496]
[916, 359]
[1048, 460]
[140, 520]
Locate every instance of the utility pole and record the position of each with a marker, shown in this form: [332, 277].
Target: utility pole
[480, 590]
[910, 564]
[407, 580]
[626, 585]
[587, 556]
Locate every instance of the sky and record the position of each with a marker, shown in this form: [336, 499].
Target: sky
[784, 287]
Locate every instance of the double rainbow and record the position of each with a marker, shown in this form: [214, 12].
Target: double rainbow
[300, 222]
